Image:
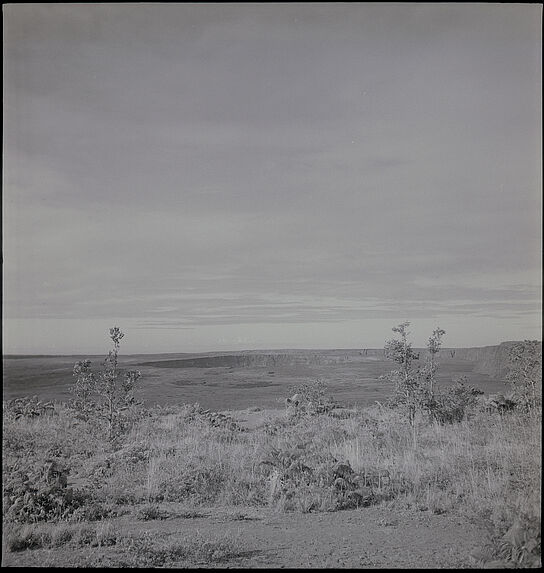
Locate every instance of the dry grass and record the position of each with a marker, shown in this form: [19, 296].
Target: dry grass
[117, 549]
[485, 467]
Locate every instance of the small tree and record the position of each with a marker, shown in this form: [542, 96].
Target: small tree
[107, 395]
[414, 387]
[525, 374]
[434, 344]
[407, 379]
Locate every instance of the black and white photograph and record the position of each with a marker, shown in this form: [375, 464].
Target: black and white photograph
[272, 285]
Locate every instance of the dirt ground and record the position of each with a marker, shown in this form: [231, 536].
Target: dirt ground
[374, 537]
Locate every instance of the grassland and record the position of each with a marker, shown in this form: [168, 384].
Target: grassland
[245, 481]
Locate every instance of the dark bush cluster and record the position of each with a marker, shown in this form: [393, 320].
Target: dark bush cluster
[27, 407]
[303, 478]
[213, 419]
[453, 404]
[34, 494]
[521, 544]
[310, 399]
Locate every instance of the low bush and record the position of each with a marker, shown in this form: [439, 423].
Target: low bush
[50, 536]
[34, 494]
[521, 544]
[27, 407]
[309, 399]
[27, 538]
[151, 513]
[453, 404]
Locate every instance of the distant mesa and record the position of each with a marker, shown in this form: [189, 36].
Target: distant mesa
[268, 360]
[490, 360]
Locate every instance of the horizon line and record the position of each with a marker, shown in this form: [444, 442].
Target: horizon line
[268, 350]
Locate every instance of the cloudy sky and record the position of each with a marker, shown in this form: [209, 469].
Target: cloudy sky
[223, 176]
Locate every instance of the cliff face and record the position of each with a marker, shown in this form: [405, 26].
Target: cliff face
[491, 360]
[239, 361]
[257, 359]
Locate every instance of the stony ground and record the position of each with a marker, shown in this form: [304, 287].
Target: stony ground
[375, 537]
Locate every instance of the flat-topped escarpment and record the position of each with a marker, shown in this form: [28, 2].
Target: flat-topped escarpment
[490, 360]
[258, 359]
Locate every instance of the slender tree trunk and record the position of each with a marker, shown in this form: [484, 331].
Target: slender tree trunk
[431, 380]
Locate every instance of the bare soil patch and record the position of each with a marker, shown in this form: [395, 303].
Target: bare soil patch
[374, 537]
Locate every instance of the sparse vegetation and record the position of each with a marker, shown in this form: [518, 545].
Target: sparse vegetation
[65, 483]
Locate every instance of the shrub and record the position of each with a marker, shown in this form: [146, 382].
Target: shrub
[310, 399]
[525, 374]
[452, 405]
[47, 536]
[303, 477]
[199, 484]
[152, 512]
[27, 407]
[38, 494]
[27, 537]
[521, 544]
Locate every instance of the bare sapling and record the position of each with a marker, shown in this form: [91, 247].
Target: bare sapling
[434, 344]
[105, 396]
[407, 379]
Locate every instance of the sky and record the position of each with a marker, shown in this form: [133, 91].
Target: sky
[264, 176]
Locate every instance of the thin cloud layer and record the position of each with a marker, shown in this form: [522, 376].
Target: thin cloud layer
[185, 166]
